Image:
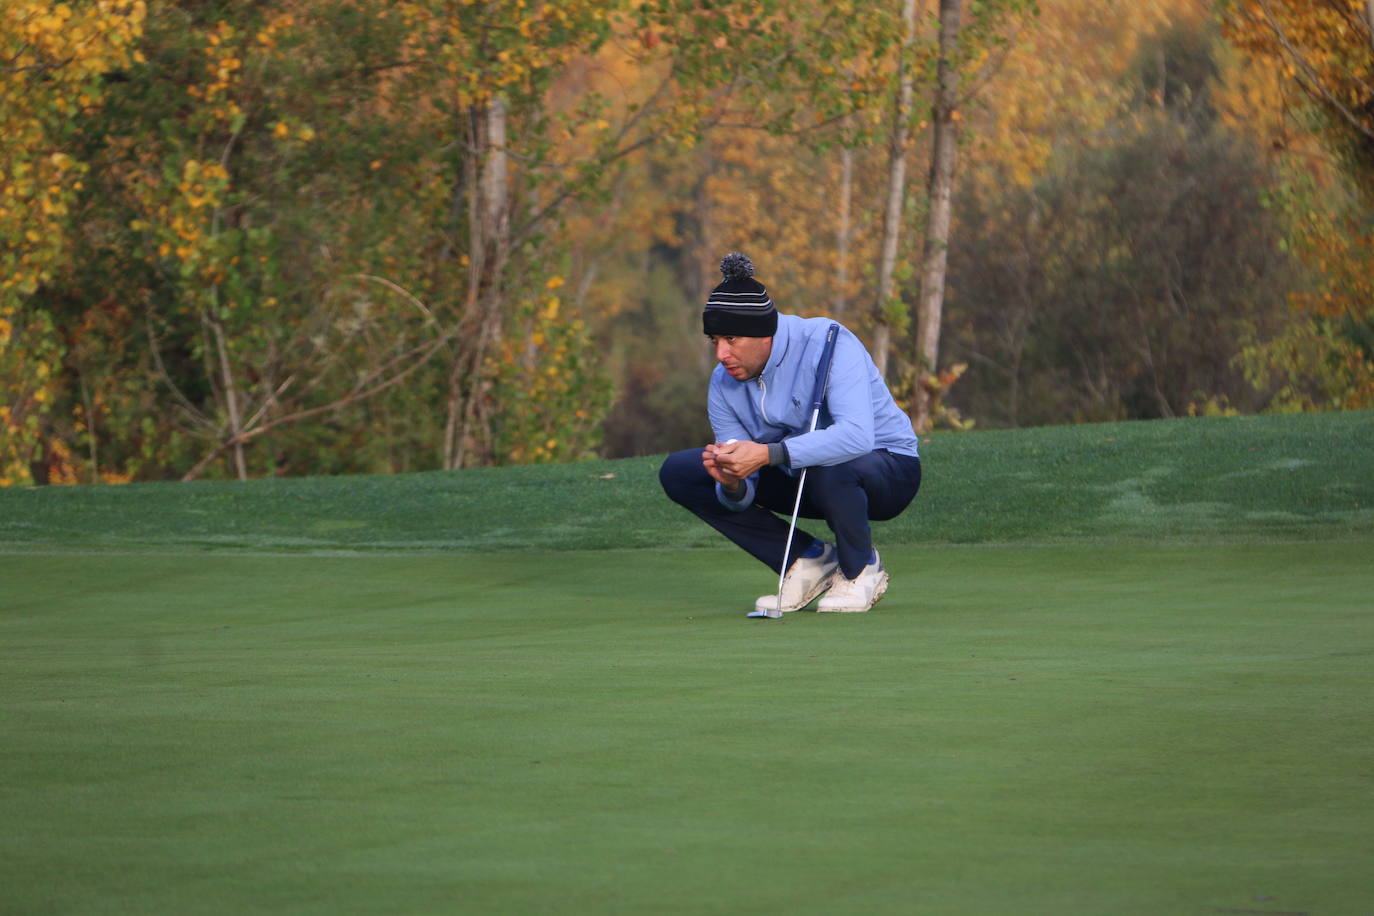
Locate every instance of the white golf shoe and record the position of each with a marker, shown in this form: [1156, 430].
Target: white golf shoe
[853, 596]
[806, 579]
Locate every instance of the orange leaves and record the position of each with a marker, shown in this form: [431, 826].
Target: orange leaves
[510, 46]
[178, 220]
[56, 55]
[228, 54]
[936, 387]
[268, 36]
[70, 45]
[1324, 48]
[943, 381]
[29, 349]
[552, 388]
[222, 65]
[181, 188]
[1065, 69]
[1342, 256]
[781, 203]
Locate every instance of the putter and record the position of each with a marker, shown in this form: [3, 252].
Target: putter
[817, 396]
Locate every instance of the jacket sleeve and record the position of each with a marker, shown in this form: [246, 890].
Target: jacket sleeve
[745, 501]
[726, 425]
[849, 403]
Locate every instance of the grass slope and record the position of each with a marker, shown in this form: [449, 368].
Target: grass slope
[1142, 696]
[1241, 478]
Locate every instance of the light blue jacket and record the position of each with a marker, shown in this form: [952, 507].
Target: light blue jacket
[857, 416]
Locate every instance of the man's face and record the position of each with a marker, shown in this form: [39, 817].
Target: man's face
[742, 357]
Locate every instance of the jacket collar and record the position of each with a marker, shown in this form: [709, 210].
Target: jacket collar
[782, 341]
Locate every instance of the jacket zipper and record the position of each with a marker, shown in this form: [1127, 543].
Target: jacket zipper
[763, 399]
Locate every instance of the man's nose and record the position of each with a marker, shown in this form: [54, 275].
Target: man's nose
[722, 350]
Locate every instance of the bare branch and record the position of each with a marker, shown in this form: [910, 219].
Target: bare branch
[195, 413]
[1312, 84]
[272, 396]
[989, 70]
[568, 190]
[394, 287]
[361, 391]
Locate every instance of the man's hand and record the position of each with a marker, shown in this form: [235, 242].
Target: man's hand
[708, 461]
[731, 462]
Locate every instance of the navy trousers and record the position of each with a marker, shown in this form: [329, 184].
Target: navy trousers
[874, 487]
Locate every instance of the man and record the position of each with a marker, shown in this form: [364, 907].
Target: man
[862, 457]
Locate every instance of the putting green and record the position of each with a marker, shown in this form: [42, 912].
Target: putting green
[1070, 729]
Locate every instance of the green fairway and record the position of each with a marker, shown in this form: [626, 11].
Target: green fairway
[1069, 729]
[1237, 479]
[1122, 669]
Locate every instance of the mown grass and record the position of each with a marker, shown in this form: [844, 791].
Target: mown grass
[1235, 478]
[1121, 669]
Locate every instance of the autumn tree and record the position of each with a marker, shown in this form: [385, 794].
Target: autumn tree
[53, 61]
[781, 98]
[337, 204]
[1125, 281]
[355, 235]
[1324, 52]
[940, 192]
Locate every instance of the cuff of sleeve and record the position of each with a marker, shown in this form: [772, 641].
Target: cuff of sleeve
[778, 454]
[737, 505]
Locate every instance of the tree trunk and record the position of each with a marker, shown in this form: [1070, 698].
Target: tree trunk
[845, 231]
[89, 406]
[896, 188]
[944, 151]
[469, 193]
[231, 398]
[495, 181]
[489, 249]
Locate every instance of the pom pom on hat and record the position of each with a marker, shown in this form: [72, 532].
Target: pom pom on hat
[739, 306]
[736, 266]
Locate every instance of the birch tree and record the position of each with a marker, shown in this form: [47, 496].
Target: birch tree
[894, 206]
[940, 193]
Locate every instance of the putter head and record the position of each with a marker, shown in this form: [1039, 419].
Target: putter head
[772, 613]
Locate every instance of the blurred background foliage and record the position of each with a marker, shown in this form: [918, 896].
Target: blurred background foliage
[365, 236]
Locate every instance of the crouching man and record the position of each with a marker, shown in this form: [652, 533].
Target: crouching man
[862, 458]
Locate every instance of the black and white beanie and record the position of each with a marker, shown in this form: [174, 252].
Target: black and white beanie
[739, 306]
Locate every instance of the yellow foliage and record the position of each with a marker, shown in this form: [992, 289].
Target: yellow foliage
[1317, 54]
[779, 203]
[1324, 51]
[1065, 69]
[60, 466]
[55, 57]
